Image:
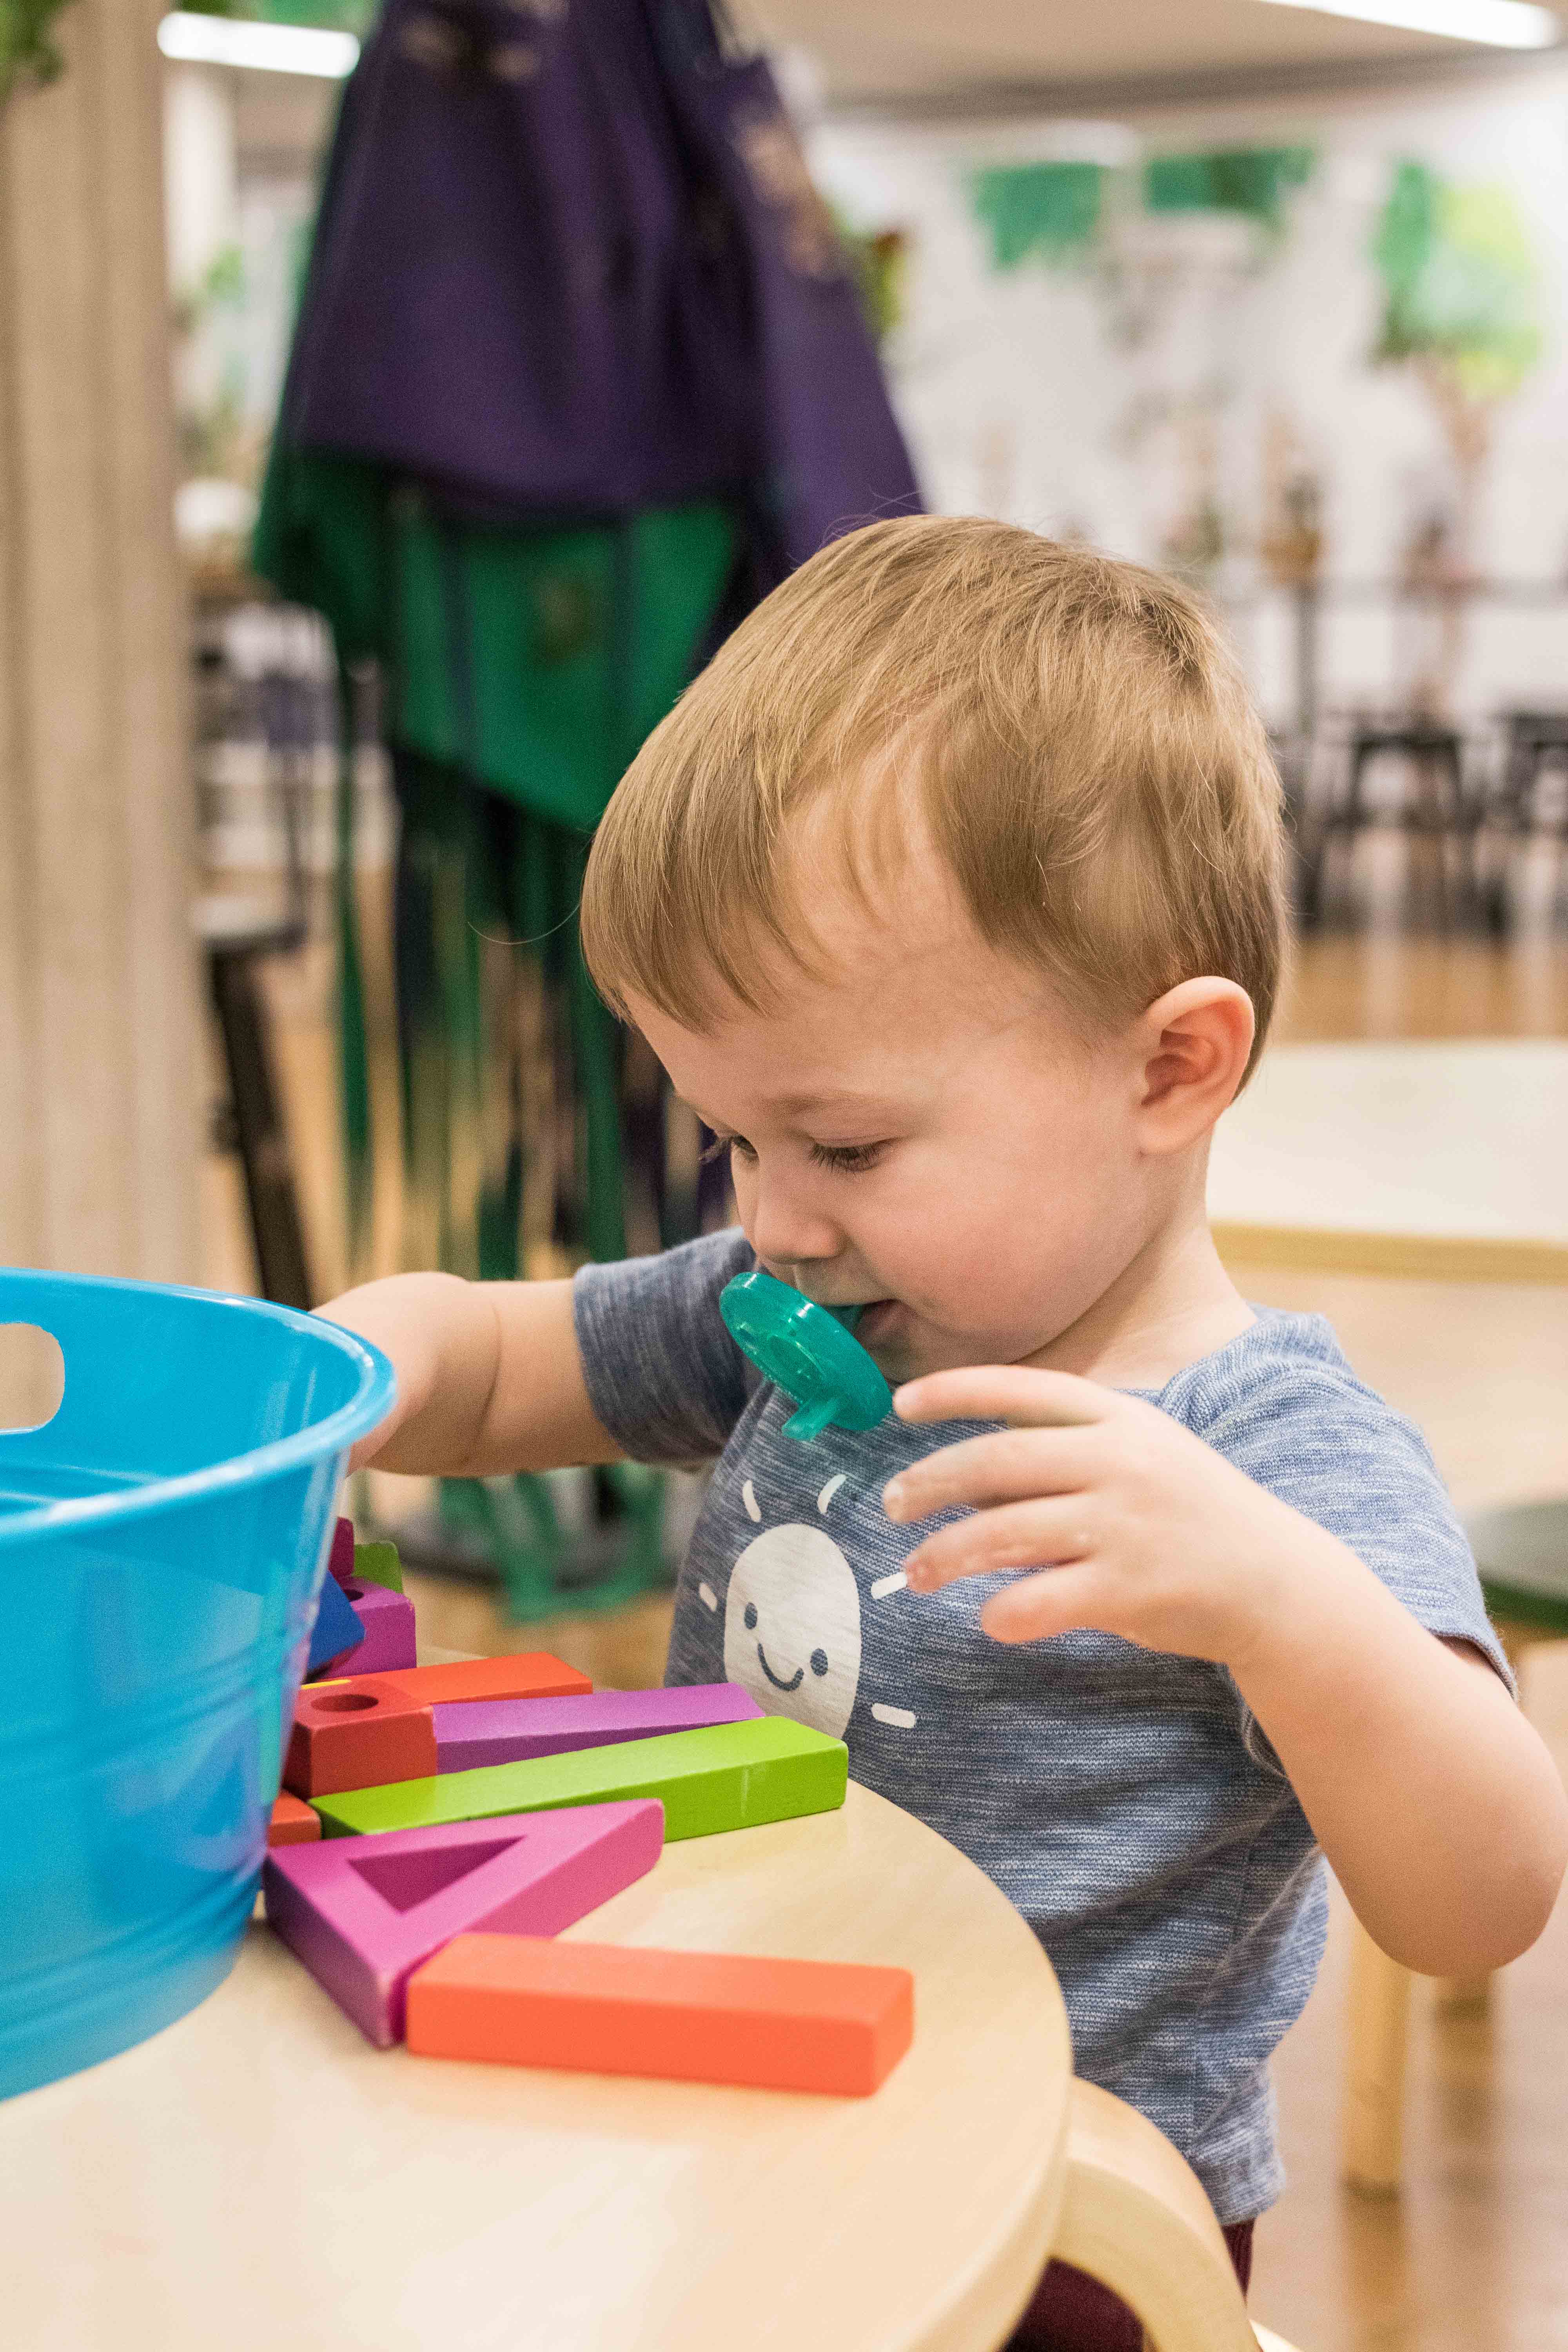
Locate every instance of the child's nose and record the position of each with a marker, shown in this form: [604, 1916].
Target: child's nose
[788, 1229]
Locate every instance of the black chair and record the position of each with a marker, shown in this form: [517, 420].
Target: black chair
[1432, 803]
[237, 935]
[1535, 742]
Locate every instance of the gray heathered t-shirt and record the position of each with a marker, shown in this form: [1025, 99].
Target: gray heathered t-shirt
[1120, 1797]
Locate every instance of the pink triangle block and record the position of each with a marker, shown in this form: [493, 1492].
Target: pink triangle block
[473, 1732]
[341, 1559]
[363, 1913]
[388, 1621]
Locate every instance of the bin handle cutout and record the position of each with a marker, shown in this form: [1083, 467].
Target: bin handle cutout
[32, 1377]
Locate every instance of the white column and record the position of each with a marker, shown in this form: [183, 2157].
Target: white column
[99, 986]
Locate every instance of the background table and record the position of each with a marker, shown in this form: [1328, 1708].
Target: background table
[1447, 1159]
[259, 2178]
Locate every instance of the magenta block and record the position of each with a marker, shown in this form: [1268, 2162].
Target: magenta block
[469, 1732]
[363, 1913]
[388, 1621]
[341, 1559]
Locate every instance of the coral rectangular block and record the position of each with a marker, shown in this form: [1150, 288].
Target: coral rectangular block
[356, 1736]
[363, 1912]
[336, 1631]
[388, 1621]
[293, 1822]
[533, 1673]
[505, 1730]
[696, 2017]
[377, 1563]
[731, 1777]
[341, 1558]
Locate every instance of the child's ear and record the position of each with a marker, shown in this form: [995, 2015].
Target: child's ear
[1193, 1044]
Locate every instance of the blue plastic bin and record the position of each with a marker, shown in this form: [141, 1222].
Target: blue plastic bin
[163, 1541]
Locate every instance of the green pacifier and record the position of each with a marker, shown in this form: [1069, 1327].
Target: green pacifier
[808, 1352]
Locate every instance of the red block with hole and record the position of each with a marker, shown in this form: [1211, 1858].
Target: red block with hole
[533, 1674]
[357, 1735]
[293, 1822]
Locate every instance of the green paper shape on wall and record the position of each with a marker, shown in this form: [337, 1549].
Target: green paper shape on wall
[1254, 181]
[1461, 283]
[1049, 210]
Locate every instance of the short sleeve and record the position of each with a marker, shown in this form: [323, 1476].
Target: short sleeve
[664, 1376]
[1298, 1421]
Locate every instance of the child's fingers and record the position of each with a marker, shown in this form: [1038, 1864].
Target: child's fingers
[1040, 1533]
[1011, 1393]
[995, 1469]
[1060, 1601]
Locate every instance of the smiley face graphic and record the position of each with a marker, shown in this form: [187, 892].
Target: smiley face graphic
[792, 1627]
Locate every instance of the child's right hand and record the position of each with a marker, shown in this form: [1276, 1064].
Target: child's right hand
[489, 1378]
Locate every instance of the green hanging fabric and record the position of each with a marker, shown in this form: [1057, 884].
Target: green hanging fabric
[523, 669]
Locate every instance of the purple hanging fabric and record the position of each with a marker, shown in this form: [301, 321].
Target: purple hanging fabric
[568, 262]
[498, 294]
[831, 453]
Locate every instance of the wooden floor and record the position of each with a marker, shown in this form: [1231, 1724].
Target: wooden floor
[1474, 2256]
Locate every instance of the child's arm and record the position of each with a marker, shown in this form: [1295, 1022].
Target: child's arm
[489, 1377]
[1439, 1807]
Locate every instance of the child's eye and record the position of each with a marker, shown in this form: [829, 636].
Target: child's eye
[723, 1143]
[850, 1159]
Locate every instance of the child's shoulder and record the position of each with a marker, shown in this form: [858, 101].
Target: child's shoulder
[1284, 1370]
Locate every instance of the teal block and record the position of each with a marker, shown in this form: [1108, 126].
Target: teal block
[377, 1564]
[730, 1776]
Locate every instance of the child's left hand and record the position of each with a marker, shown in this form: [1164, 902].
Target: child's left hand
[1140, 1528]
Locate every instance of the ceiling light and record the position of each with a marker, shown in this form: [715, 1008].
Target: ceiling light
[268, 48]
[1503, 24]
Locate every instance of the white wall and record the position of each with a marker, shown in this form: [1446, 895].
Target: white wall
[1019, 399]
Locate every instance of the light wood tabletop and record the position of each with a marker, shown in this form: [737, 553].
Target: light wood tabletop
[1446, 1159]
[258, 2176]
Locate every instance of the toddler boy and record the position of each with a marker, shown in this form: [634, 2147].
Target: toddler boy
[949, 896]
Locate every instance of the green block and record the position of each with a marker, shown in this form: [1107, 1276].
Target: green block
[377, 1564]
[732, 1776]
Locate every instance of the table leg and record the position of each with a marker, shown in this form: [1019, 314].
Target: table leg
[1135, 2217]
[1374, 2089]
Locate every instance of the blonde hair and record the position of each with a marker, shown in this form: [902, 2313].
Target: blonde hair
[1084, 752]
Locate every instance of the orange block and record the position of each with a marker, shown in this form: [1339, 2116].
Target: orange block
[293, 1822]
[697, 2017]
[357, 1735]
[533, 1673]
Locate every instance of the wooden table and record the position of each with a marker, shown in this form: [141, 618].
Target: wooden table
[1445, 1159]
[259, 2178]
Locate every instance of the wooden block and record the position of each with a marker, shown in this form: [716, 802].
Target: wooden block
[293, 1822]
[356, 1736]
[336, 1631]
[730, 1777]
[505, 1730]
[388, 1621]
[377, 1564]
[361, 1913]
[341, 1558]
[533, 1673]
[697, 2017]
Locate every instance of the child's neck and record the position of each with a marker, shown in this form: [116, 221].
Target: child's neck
[1172, 1304]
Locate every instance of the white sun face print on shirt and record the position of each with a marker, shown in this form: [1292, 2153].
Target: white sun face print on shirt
[792, 1627]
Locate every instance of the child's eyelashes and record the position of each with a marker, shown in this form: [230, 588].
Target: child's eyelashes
[849, 1159]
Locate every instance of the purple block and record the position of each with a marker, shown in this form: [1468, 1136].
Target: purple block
[363, 1913]
[471, 1732]
[388, 1621]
